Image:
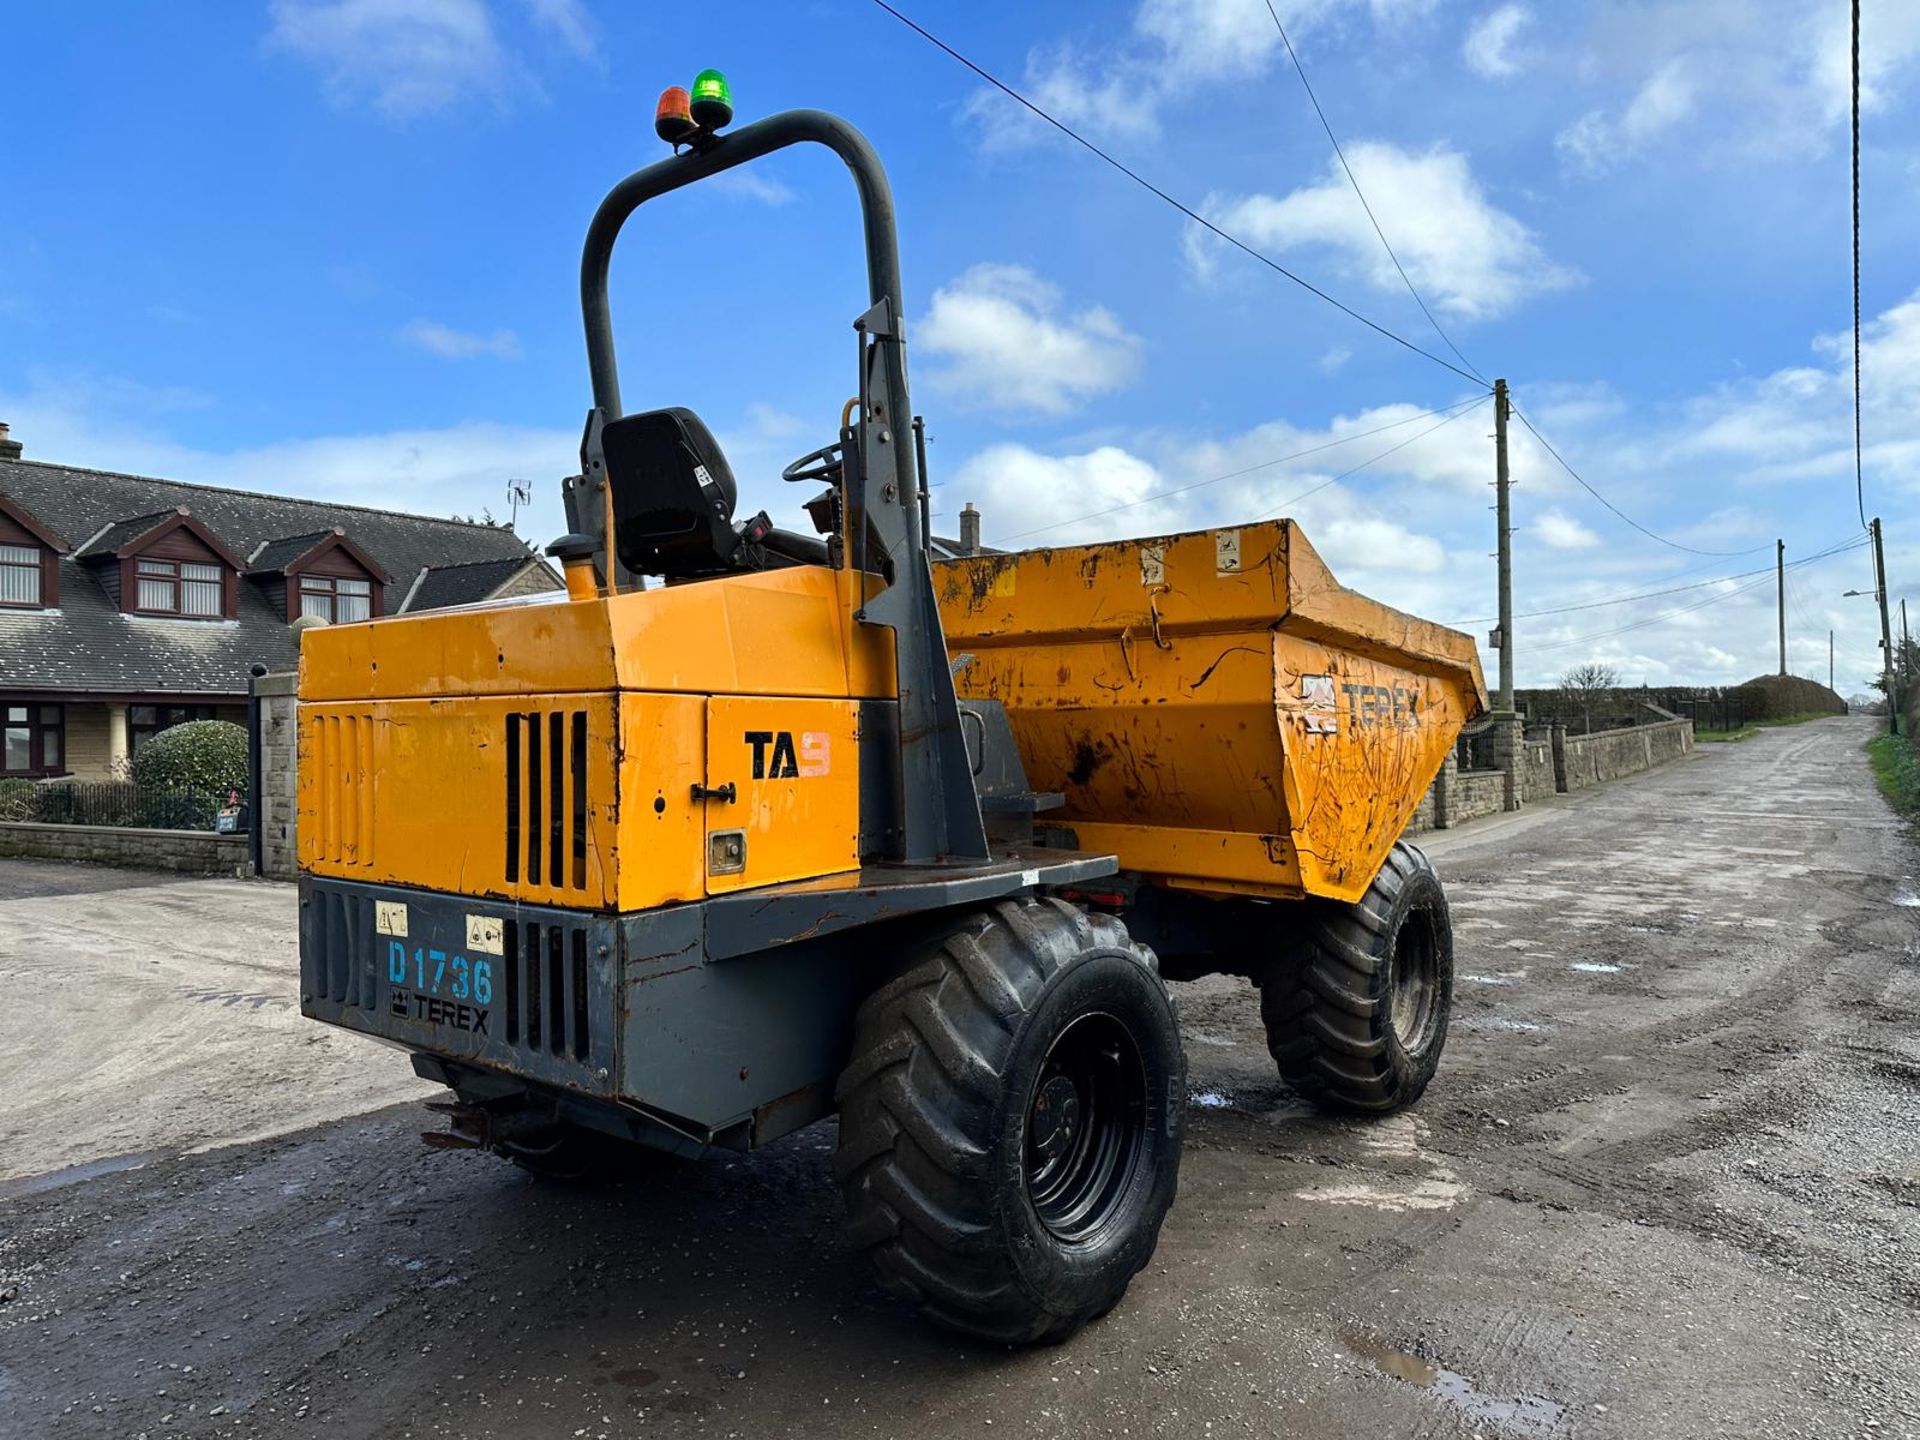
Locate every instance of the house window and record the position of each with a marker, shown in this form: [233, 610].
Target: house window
[176, 587]
[146, 721]
[32, 739]
[20, 575]
[337, 601]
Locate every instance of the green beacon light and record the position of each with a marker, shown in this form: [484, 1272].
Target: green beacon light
[712, 100]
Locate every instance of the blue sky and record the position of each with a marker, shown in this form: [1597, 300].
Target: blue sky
[330, 247]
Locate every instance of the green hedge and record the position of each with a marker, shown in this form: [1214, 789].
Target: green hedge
[200, 755]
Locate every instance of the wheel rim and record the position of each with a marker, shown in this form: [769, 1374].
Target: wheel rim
[1086, 1127]
[1416, 983]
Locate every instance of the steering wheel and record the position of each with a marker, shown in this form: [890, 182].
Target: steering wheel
[826, 463]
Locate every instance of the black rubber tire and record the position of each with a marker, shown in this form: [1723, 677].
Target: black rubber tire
[1329, 1005]
[947, 1063]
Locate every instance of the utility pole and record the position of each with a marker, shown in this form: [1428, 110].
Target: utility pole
[1503, 518]
[1906, 647]
[1780, 573]
[1830, 660]
[1887, 678]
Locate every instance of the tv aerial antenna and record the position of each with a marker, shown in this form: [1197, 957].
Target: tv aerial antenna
[519, 492]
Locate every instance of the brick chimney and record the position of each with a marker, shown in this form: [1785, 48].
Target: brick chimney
[9, 447]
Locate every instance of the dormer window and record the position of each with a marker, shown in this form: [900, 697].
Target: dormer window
[29, 560]
[336, 599]
[20, 567]
[165, 564]
[322, 575]
[179, 587]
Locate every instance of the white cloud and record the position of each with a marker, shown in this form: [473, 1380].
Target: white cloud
[1468, 257]
[1665, 99]
[1333, 360]
[459, 468]
[1006, 345]
[414, 57]
[1731, 79]
[1018, 489]
[451, 344]
[568, 21]
[749, 184]
[409, 57]
[1560, 531]
[1488, 49]
[1118, 91]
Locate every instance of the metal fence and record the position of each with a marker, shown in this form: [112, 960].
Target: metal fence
[1726, 710]
[113, 802]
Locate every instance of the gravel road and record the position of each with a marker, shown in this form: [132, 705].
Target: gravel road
[1667, 1184]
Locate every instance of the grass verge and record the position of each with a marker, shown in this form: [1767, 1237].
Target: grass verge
[1754, 727]
[1896, 769]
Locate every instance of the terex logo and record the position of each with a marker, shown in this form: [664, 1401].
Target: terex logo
[775, 758]
[1382, 704]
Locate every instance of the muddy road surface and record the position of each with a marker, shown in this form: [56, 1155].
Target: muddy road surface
[1666, 1184]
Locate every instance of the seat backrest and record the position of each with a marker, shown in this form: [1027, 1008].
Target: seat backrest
[673, 494]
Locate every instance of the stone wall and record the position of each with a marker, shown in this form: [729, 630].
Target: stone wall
[198, 852]
[1532, 769]
[1610, 754]
[278, 746]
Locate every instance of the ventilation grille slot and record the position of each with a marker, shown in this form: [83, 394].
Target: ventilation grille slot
[546, 989]
[344, 793]
[340, 958]
[547, 799]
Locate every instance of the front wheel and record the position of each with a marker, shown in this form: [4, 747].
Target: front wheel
[1011, 1121]
[1357, 1012]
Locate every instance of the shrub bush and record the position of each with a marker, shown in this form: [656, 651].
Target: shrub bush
[16, 799]
[200, 755]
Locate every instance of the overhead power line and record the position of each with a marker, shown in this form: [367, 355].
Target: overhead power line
[1353, 180]
[1859, 482]
[1856, 543]
[1148, 499]
[1758, 579]
[1187, 210]
[1650, 534]
[1371, 460]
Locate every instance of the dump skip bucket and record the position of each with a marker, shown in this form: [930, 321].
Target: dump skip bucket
[1217, 709]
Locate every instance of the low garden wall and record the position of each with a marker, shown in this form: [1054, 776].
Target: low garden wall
[194, 852]
[1523, 769]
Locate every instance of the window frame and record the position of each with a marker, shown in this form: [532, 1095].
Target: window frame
[40, 718]
[39, 567]
[327, 588]
[161, 570]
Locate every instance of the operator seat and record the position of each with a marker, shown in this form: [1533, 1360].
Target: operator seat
[673, 494]
[673, 501]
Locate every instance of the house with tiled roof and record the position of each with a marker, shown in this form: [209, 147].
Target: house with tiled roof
[129, 603]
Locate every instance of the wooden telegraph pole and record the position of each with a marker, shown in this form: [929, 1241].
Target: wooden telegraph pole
[1503, 515]
[1780, 575]
[1888, 676]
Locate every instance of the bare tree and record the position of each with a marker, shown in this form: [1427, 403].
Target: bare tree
[1584, 684]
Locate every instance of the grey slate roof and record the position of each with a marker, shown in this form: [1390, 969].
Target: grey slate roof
[115, 535]
[279, 553]
[88, 645]
[464, 584]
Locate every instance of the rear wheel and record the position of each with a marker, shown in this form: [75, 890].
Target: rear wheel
[1011, 1121]
[1357, 1014]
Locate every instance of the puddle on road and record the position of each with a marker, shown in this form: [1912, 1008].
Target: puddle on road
[1528, 1415]
[1210, 1100]
[1594, 967]
[1905, 896]
[74, 1174]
